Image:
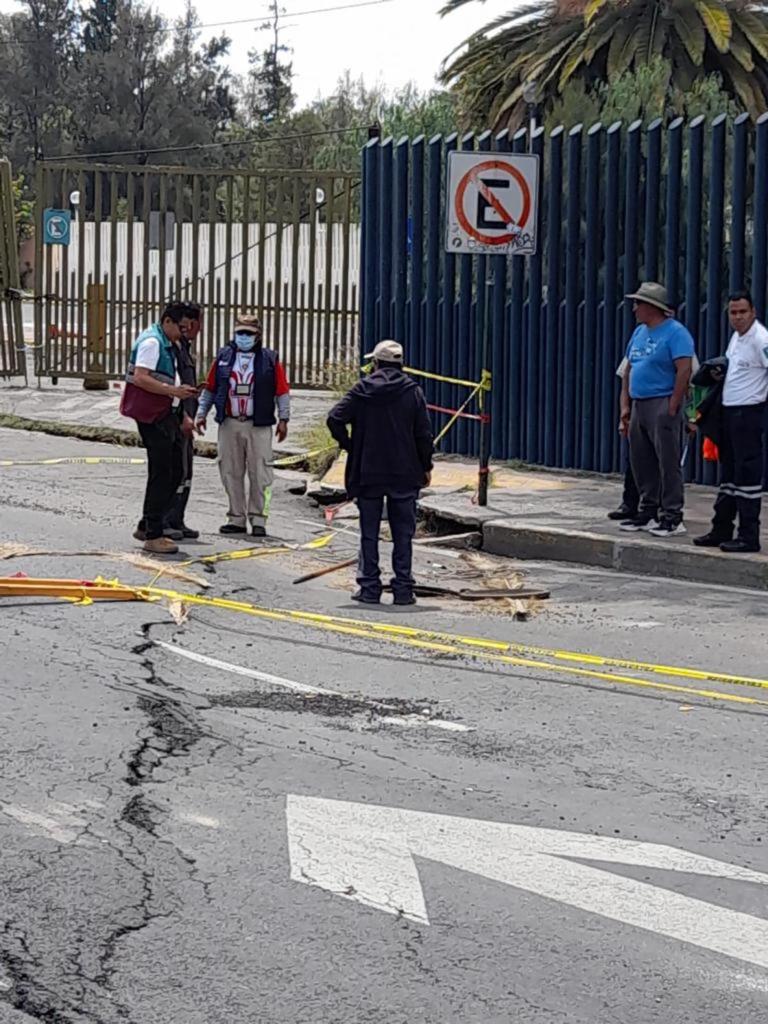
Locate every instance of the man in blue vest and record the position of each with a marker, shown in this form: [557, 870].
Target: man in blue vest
[152, 396]
[244, 385]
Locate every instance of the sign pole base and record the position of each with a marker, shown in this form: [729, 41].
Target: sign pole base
[485, 459]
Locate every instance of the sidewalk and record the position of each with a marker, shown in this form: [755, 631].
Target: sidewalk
[544, 515]
[67, 402]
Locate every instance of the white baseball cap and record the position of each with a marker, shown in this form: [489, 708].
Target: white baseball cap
[387, 351]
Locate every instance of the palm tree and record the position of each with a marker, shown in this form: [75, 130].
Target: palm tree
[551, 42]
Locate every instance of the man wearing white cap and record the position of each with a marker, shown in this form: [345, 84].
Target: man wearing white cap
[389, 455]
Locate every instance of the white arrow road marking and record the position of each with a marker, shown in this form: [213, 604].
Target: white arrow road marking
[366, 853]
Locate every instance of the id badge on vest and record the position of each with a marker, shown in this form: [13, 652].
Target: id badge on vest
[243, 390]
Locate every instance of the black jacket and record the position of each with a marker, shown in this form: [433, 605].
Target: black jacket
[709, 414]
[187, 370]
[390, 448]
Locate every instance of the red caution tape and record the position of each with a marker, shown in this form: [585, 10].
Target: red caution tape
[480, 417]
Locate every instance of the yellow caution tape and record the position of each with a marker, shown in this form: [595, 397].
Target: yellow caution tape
[501, 646]
[293, 460]
[115, 460]
[243, 553]
[456, 415]
[442, 643]
[484, 382]
[235, 556]
[76, 460]
[318, 542]
[457, 645]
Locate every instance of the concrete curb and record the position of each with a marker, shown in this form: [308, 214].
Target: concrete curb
[548, 543]
[106, 435]
[82, 432]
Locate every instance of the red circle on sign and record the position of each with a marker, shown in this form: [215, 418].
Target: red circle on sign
[466, 181]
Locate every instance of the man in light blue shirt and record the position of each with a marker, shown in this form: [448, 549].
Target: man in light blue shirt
[660, 355]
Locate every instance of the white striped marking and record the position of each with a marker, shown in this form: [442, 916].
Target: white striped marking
[290, 684]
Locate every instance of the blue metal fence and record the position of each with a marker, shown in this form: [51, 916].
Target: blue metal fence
[686, 204]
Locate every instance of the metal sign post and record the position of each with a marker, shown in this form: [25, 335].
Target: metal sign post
[492, 209]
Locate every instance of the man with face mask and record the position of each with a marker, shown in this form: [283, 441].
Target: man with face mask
[244, 385]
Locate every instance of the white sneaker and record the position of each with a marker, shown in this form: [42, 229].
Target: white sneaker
[638, 524]
[669, 528]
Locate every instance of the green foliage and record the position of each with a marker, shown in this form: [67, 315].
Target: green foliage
[404, 111]
[112, 77]
[557, 44]
[644, 94]
[24, 209]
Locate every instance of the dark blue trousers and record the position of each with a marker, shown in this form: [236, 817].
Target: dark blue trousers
[401, 513]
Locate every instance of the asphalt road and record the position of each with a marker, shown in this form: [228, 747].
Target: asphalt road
[182, 842]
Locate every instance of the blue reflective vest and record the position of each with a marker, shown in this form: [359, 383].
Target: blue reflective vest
[262, 387]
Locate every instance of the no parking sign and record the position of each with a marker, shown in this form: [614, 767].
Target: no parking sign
[492, 204]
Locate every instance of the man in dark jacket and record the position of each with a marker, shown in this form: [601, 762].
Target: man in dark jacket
[175, 525]
[389, 455]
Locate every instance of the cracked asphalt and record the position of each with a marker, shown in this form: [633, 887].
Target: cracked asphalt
[145, 875]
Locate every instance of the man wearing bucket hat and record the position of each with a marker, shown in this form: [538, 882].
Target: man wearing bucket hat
[244, 385]
[389, 455]
[660, 355]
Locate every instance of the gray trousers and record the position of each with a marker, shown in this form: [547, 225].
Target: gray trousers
[655, 447]
[246, 450]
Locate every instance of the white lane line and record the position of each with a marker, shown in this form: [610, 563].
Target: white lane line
[290, 684]
[60, 831]
[415, 722]
[249, 673]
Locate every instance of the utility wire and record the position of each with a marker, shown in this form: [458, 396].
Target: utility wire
[242, 21]
[202, 146]
[297, 14]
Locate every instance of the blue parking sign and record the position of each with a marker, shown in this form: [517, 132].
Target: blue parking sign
[56, 227]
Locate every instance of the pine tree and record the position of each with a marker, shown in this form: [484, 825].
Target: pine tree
[269, 92]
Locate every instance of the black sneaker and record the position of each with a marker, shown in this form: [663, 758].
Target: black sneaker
[366, 598]
[669, 528]
[739, 547]
[710, 540]
[230, 529]
[258, 531]
[623, 513]
[189, 533]
[640, 523]
[405, 599]
[172, 533]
